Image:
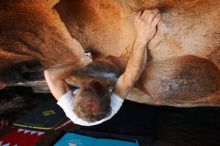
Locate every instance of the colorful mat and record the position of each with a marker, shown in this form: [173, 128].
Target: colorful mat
[71, 139]
[47, 116]
[21, 137]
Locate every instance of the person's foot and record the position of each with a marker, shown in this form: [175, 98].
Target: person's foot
[3, 123]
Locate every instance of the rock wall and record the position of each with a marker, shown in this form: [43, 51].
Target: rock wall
[31, 30]
[186, 80]
[46, 31]
[188, 27]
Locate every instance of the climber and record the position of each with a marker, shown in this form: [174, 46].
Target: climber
[93, 103]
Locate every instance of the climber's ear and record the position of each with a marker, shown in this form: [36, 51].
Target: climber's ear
[51, 3]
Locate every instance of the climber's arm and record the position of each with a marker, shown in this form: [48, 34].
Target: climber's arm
[146, 28]
[55, 76]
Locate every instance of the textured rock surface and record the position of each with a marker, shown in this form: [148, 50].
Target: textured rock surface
[31, 30]
[188, 27]
[182, 80]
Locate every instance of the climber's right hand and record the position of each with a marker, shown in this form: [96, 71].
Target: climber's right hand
[146, 25]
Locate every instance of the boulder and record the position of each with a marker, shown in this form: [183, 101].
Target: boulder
[49, 32]
[188, 27]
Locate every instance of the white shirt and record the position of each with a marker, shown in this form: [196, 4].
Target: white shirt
[66, 103]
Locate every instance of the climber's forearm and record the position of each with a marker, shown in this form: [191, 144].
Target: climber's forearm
[136, 63]
[134, 68]
[61, 71]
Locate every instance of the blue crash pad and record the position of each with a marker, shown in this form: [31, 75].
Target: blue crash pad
[71, 139]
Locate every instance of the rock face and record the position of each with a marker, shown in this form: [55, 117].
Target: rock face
[46, 31]
[188, 27]
[31, 30]
[182, 80]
